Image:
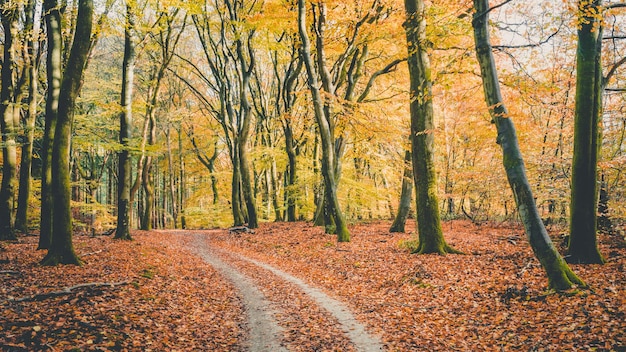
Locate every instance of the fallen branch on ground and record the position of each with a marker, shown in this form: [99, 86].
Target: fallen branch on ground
[65, 291]
[10, 272]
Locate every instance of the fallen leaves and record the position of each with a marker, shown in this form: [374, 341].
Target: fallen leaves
[173, 300]
[493, 298]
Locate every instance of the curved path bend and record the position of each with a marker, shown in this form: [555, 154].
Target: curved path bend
[265, 333]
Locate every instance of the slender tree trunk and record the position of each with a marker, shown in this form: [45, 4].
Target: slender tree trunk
[560, 276]
[25, 181]
[583, 246]
[171, 178]
[238, 215]
[61, 248]
[327, 140]
[290, 191]
[430, 233]
[126, 124]
[182, 186]
[8, 128]
[405, 195]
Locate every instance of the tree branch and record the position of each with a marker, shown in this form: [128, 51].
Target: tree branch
[65, 291]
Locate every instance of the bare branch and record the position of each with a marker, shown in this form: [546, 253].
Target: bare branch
[612, 70]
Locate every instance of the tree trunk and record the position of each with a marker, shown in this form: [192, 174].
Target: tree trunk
[560, 276]
[327, 140]
[8, 126]
[171, 176]
[238, 215]
[126, 124]
[405, 195]
[61, 248]
[430, 234]
[32, 65]
[583, 246]
[54, 75]
[290, 191]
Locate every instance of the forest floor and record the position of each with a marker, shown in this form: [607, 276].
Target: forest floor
[207, 290]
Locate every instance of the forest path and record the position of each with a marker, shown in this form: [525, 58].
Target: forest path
[265, 332]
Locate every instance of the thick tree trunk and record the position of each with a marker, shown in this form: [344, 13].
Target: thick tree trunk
[430, 233]
[61, 248]
[560, 276]
[126, 124]
[327, 140]
[583, 246]
[405, 195]
[54, 75]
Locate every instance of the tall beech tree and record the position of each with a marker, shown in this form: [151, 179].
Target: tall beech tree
[583, 246]
[54, 73]
[228, 50]
[9, 113]
[326, 135]
[126, 123]
[430, 234]
[31, 73]
[61, 249]
[560, 276]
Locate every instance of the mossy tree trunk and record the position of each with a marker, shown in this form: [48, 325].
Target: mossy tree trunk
[405, 195]
[430, 233]
[8, 125]
[54, 43]
[32, 28]
[61, 248]
[326, 136]
[583, 246]
[560, 276]
[126, 123]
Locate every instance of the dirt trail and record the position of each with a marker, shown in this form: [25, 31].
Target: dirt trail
[264, 331]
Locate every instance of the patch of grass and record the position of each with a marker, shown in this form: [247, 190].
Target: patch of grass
[409, 245]
[147, 273]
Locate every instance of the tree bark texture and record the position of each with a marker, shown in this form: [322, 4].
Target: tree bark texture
[583, 246]
[405, 195]
[8, 125]
[560, 276]
[324, 126]
[32, 65]
[126, 123]
[61, 248]
[54, 76]
[430, 233]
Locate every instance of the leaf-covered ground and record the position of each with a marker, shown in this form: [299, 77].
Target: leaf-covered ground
[166, 298]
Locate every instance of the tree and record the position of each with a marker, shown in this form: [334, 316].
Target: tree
[126, 124]
[560, 276]
[405, 195]
[61, 249]
[583, 247]
[54, 73]
[9, 113]
[228, 50]
[31, 66]
[430, 234]
[323, 124]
